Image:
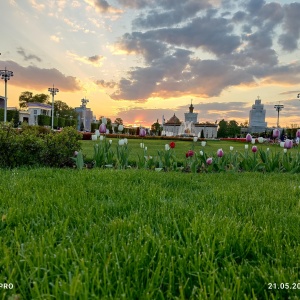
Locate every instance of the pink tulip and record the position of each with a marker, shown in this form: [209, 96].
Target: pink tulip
[220, 153]
[298, 133]
[254, 149]
[248, 138]
[102, 128]
[209, 161]
[276, 133]
[190, 153]
[288, 144]
[142, 132]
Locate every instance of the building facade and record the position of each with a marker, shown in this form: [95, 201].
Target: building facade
[257, 117]
[34, 109]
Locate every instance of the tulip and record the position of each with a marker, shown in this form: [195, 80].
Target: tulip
[120, 127]
[75, 153]
[253, 141]
[195, 138]
[190, 153]
[276, 133]
[220, 153]
[142, 145]
[246, 147]
[268, 149]
[172, 145]
[121, 142]
[125, 141]
[201, 153]
[167, 147]
[209, 161]
[146, 148]
[260, 140]
[248, 138]
[282, 144]
[142, 132]
[254, 149]
[102, 128]
[298, 133]
[288, 144]
[230, 148]
[284, 150]
[104, 121]
[110, 141]
[203, 143]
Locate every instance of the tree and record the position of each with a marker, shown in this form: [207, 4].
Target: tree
[118, 121]
[27, 97]
[233, 128]
[223, 129]
[156, 127]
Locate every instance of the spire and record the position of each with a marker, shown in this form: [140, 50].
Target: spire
[191, 106]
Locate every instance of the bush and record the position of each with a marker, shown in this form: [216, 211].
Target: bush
[37, 146]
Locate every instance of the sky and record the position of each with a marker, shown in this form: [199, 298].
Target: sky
[141, 60]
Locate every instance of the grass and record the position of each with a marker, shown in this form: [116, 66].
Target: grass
[136, 234]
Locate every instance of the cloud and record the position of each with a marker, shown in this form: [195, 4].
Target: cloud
[95, 60]
[36, 78]
[27, 57]
[102, 6]
[55, 38]
[37, 6]
[105, 84]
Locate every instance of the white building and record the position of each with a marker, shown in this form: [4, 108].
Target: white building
[34, 109]
[257, 117]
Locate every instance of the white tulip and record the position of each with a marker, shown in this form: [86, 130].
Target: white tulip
[246, 147]
[230, 148]
[142, 145]
[101, 137]
[125, 141]
[285, 150]
[167, 147]
[201, 153]
[146, 148]
[104, 121]
[120, 127]
[253, 141]
[203, 143]
[195, 138]
[282, 144]
[268, 149]
[260, 140]
[110, 141]
[121, 142]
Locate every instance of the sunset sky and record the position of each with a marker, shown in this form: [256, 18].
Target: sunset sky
[142, 59]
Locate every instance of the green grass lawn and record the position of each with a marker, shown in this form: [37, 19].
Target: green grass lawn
[136, 234]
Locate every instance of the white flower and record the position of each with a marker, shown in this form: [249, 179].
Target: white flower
[110, 141]
[203, 143]
[167, 147]
[104, 121]
[282, 144]
[125, 141]
[121, 142]
[120, 127]
[268, 149]
[285, 150]
[142, 145]
[195, 138]
[260, 140]
[101, 137]
[230, 148]
[146, 148]
[246, 147]
[253, 141]
[201, 153]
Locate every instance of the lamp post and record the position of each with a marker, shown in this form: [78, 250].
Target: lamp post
[5, 75]
[278, 108]
[53, 92]
[84, 102]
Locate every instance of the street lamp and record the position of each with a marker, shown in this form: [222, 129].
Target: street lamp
[53, 92]
[278, 108]
[84, 102]
[5, 75]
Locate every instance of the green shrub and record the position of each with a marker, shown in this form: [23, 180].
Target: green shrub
[37, 146]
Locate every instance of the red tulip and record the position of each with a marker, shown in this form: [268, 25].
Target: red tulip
[172, 145]
[254, 149]
[190, 153]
